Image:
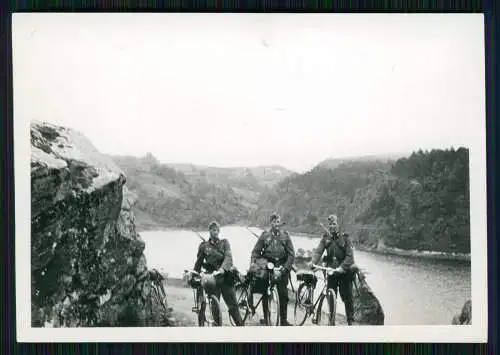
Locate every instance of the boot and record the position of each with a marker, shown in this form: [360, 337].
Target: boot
[283, 315]
[349, 310]
[250, 303]
[235, 314]
[265, 310]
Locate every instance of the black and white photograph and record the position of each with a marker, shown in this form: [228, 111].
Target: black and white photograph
[250, 177]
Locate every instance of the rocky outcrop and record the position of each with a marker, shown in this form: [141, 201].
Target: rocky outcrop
[367, 308]
[87, 262]
[465, 317]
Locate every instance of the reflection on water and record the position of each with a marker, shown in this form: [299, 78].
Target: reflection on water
[412, 291]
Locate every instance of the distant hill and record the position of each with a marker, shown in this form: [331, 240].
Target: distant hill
[332, 163]
[263, 176]
[185, 195]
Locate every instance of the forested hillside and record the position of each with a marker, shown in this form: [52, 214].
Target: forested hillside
[305, 200]
[420, 202]
[425, 203]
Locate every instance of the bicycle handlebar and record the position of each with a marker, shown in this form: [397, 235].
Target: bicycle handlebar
[271, 266]
[329, 270]
[202, 273]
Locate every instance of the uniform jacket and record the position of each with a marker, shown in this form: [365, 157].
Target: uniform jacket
[339, 251]
[275, 247]
[214, 254]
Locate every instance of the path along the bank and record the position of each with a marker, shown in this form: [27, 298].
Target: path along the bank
[180, 298]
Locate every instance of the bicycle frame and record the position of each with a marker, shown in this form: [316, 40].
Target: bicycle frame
[270, 287]
[200, 290]
[323, 291]
[314, 304]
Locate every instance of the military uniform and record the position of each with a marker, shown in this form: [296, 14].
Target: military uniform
[339, 254]
[213, 255]
[277, 247]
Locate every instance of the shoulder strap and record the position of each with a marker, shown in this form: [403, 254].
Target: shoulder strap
[266, 242]
[326, 240]
[217, 248]
[266, 245]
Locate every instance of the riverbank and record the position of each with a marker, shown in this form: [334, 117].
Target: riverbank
[423, 254]
[180, 298]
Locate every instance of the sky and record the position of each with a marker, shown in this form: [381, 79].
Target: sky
[253, 89]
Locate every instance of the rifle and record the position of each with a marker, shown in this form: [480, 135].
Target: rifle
[293, 267]
[326, 229]
[199, 235]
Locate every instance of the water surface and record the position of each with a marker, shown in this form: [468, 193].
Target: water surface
[412, 291]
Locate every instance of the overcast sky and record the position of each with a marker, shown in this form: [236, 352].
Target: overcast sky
[253, 89]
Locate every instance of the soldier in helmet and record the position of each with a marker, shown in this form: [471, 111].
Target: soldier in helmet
[339, 255]
[215, 255]
[276, 246]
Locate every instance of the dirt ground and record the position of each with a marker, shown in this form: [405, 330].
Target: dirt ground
[181, 299]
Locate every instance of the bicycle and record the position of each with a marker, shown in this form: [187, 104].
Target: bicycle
[245, 301]
[305, 297]
[157, 298]
[203, 296]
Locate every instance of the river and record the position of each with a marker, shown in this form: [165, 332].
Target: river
[412, 291]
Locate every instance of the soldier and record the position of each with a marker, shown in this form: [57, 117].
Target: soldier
[276, 246]
[215, 255]
[339, 255]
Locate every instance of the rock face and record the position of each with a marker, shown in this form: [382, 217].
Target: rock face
[87, 262]
[367, 308]
[465, 317]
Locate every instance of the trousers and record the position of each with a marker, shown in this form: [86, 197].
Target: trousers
[343, 284]
[229, 297]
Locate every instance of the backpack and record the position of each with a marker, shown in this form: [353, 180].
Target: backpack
[259, 270]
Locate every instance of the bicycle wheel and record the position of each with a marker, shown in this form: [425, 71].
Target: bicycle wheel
[162, 297]
[242, 303]
[160, 303]
[302, 304]
[215, 312]
[273, 307]
[326, 312]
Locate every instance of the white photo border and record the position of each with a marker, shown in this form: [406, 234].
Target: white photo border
[475, 333]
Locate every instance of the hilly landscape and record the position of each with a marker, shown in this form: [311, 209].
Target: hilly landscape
[185, 195]
[418, 202]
